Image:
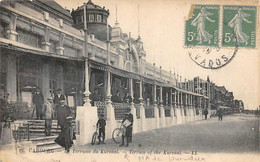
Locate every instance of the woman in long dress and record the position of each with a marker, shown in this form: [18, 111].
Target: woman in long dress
[199, 21]
[236, 23]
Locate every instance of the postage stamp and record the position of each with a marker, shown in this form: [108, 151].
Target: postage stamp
[239, 22]
[202, 27]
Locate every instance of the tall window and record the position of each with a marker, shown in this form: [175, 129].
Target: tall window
[99, 18]
[3, 72]
[72, 84]
[91, 17]
[29, 38]
[29, 77]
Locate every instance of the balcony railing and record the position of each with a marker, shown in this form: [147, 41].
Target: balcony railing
[137, 106]
[149, 111]
[101, 108]
[167, 111]
[121, 109]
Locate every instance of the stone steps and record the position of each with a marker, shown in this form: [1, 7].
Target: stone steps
[37, 137]
[46, 143]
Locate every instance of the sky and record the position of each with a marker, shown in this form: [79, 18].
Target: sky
[162, 26]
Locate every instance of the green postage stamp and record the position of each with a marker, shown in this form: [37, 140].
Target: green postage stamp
[202, 28]
[239, 25]
[214, 33]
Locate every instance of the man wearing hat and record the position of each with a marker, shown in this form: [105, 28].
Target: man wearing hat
[64, 119]
[57, 98]
[38, 101]
[128, 124]
[48, 113]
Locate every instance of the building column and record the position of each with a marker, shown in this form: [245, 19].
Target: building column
[161, 101]
[46, 44]
[200, 107]
[60, 49]
[187, 105]
[162, 119]
[133, 109]
[171, 106]
[86, 115]
[186, 100]
[46, 81]
[156, 110]
[181, 105]
[175, 101]
[178, 110]
[11, 86]
[142, 110]
[12, 34]
[60, 78]
[178, 99]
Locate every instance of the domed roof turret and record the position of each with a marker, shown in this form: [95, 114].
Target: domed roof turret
[96, 19]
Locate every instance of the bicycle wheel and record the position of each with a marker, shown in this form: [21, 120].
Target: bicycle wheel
[94, 137]
[117, 135]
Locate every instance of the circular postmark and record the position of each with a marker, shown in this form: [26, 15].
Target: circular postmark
[212, 58]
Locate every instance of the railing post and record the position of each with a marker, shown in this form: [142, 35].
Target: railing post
[28, 128]
[156, 110]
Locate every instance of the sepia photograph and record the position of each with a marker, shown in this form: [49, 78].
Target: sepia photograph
[129, 80]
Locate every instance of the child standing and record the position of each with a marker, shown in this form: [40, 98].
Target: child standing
[101, 124]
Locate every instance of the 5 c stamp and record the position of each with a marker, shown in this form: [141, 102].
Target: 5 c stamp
[239, 22]
[202, 28]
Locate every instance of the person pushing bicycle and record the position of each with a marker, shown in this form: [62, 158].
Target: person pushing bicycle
[127, 122]
[101, 124]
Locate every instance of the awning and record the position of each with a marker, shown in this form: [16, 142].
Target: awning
[124, 73]
[224, 107]
[98, 66]
[149, 80]
[19, 48]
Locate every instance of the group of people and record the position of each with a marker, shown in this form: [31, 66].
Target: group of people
[127, 124]
[40, 106]
[117, 98]
[96, 96]
[219, 113]
[55, 108]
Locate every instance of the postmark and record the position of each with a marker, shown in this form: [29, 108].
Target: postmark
[212, 58]
[202, 26]
[239, 22]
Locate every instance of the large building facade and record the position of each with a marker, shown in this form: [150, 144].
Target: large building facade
[43, 45]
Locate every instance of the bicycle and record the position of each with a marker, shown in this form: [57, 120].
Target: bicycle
[95, 136]
[117, 134]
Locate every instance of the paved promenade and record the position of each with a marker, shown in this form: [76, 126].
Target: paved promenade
[236, 133]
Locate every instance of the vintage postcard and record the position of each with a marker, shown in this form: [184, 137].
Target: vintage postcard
[129, 80]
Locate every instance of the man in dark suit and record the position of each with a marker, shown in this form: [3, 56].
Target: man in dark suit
[95, 97]
[65, 137]
[127, 98]
[38, 101]
[206, 113]
[128, 124]
[57, 99]
[116, 98]
[131, 119]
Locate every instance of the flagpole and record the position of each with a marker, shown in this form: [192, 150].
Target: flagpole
[86, 93]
